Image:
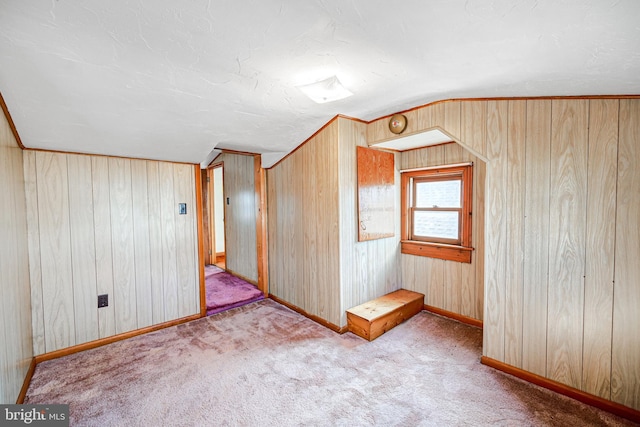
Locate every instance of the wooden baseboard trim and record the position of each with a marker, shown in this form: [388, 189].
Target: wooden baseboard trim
[27, 381]
[455, 316]
[589, 399]
[104, 341]
[313, 317]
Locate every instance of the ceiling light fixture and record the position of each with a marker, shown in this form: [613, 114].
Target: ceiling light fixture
[327, 90]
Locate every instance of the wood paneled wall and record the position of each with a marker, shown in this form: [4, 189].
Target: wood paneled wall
[315, 260]
[106, 225]
[368, 269]
[449, 285]
[625, 343]
[240, 215]
[16, 350]
[303, 227]
[562, 240]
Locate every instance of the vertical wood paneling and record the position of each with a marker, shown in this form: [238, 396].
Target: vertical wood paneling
[188, 302]
[240, 216]
[331, 238]
[168, 208]
[21, 321]
[600, 246]
[155, 243]
[495, 244]
[313, 174]
[434, 270]
[424, 118]
[288, 230]
[274, 214]
[328, 240]
[109, 227]
[194, 260]
[408, 272]
[141, 243]
[16, 350]
[473, 127]
[452, 119]
[102, 234]
[536, 235]
[35, 267]
[83, 249]
[295, 208]
[625, 375]
[567, 224]
[124, 275]
[55, 250]
[453, 285]
[439, 111]
[293, 242]
[289, 212]
[514, 299]
[8, 386]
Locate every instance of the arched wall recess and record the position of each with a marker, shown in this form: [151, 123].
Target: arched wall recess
[547, 259]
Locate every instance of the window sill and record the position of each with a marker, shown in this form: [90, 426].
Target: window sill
[436, 250]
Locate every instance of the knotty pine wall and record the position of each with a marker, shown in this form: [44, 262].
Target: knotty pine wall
[16, 350]
[106, 225]
[240, 215]
[448, 285]
[315, 260]
[562, 242]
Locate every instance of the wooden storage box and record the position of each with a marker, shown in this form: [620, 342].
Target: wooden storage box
[374, 318]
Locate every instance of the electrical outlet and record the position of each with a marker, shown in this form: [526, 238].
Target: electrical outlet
[182, 208]
[103, 300]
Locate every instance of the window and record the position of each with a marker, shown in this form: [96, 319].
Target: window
[436, 216]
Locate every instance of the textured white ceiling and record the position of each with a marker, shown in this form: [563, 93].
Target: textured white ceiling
[172, 80]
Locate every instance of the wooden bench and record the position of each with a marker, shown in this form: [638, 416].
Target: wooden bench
[374, 318]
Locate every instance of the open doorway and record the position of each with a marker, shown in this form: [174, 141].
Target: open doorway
[223, 290]
[215, 175]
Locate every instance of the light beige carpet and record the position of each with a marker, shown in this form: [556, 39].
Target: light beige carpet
[265, 365]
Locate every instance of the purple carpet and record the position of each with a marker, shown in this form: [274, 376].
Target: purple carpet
[225, 291]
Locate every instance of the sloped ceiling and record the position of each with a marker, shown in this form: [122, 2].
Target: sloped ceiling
[174, 80]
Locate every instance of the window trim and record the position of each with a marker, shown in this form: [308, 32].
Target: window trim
[438, 248]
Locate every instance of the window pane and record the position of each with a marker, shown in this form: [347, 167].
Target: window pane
[439, 224]
[443, 194]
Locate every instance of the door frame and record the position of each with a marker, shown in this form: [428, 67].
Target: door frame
[213, 254]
